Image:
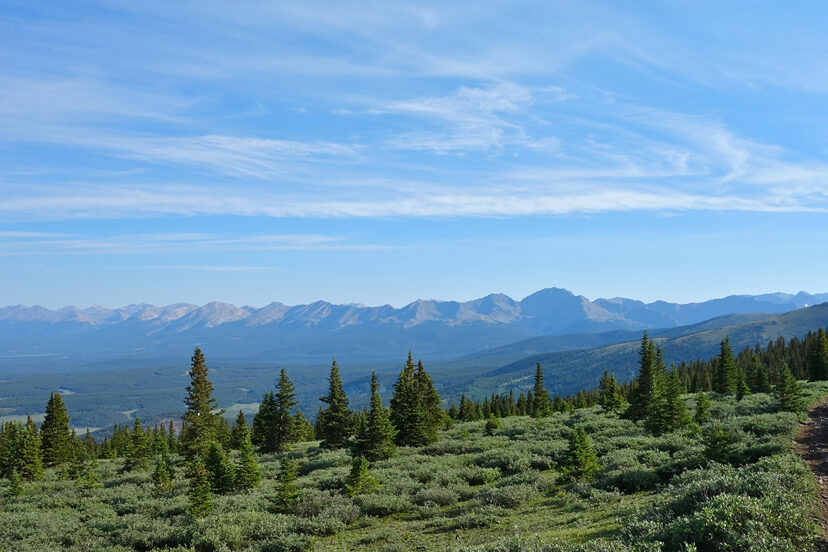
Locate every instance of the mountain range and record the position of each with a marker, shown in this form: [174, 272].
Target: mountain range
[33, 336]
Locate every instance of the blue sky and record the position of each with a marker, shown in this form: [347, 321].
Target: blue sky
[382, 152]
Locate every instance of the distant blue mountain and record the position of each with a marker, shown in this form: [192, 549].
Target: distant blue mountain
[39, 338]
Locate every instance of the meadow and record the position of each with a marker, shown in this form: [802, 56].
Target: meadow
[732, 483]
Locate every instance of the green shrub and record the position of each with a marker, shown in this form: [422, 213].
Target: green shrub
[435, 495]
[507, 497]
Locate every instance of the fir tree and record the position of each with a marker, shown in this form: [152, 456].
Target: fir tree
[742, 387]
[302, 430]
[88, 477]
[762, 381]
[15, 484]
[718, 443]
[220, 470]
[580, 461]
[541, 406]
[162, 475]
[703, 404]
[31, 456]
[645, 399]
[360, 480]
[674, 413]
[262, 432]
[429, 403]
[336, 426]
[818, 359]
[727, 375]
[223, 433]
[521, 404]
[54, 432]
[407, 413]
[239, 430]
[140, 450]
[172, 442]
[200, 495]
[788, 391]
[287, 495]
[284, 401]
[248, 473]
[375, 439]
[200, 419]
[609, 394]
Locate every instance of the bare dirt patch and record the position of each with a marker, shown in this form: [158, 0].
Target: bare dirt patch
[812, 445]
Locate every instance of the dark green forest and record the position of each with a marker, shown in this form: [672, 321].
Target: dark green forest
[695, 456]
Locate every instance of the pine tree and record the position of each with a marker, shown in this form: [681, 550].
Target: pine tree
[54, 432]
[140, 450]
[220, 470]
[788, 391]
[580, 461]
[31, 456]
[674, 413]
[239, 430]
[541, 406]
[375, 440]
[645, 399]
[703, 404]
[262, 432]
[88, 477]
[302, 429]
[429, 403]
[172, 442]
[742, 387]
[248, 473]
[727, 376]
[521, 404]
[201, 497]
[162, 475]
[337, 425]
[287, 494]
[360, 480]
[609, 394]
[284, 400]
[200, 419]
[407, 413]
[818, 359]
[762, 381]
[223, 431]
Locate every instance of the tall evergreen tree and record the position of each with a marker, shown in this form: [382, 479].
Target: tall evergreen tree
[788, 391]
[239, 430]
[287, 495]
[818, 359]
[222, 474]
[407, 412]
[31, 456]
[336, 426]
[727, 376]
[430, 401]
[647, 398]
[140, 451]
[609, 394]
[375, 440]
[541, 406]
[262, 432]
[200, 419]
[55, 436]
[162, 475]
[302, 431]
[762, 380]
[284, 400]
[200, 493]
[248, 473]
[674, 414]
[703, 404]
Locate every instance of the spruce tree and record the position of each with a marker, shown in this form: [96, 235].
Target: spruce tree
[302, 431]
[140, 450]
[220, 470]
[742, 387]
[336, 425]
[674, 414]
[703, 404]
[375, 440]
[407, 412]
[727, 376]
[284, 401]
[645, 398]
[788, 391]
[287, 495]
[491, 425]
[580, 460]
[360, 480]
[200, 419]
[15, 484]
[429, 403]
[55, 436]
[609, 394]
[818, 359]
[262, 432]
[248, 473]
[162, 475]
[239, 430]
[541, 406]
[762, 381]
[200, 495]
[31, 456]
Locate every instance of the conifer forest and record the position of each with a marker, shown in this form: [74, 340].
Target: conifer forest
[697, 456]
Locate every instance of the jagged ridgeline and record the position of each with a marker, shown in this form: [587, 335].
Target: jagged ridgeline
[658, 464]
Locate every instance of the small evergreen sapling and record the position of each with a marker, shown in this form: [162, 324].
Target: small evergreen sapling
[200, 495]
[162, 475]
[248, 473]
[492, 425]
[703, 404]
[287, 495]
[580, 461]
[222, 476]
[360, 480]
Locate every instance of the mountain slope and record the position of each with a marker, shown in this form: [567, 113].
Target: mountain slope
[570, 371]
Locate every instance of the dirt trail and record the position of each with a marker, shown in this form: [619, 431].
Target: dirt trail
[812, 445]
